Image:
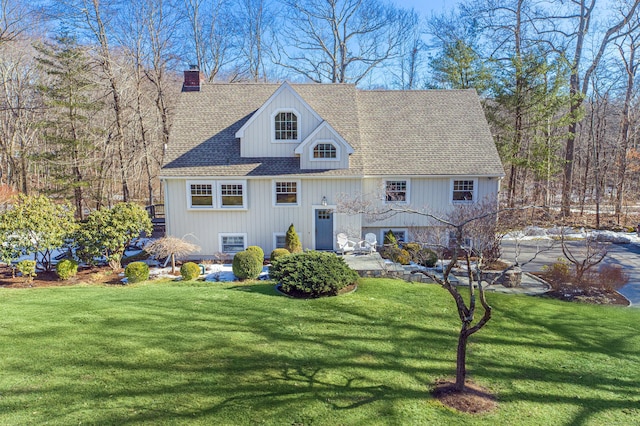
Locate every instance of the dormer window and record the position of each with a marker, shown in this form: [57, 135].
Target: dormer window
[286, 126]
[325, 150]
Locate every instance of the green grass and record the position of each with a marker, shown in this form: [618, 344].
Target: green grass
[213, 353]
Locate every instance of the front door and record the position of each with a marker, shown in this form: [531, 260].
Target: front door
[324, 229]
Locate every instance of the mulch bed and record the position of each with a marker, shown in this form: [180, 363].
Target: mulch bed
[593, 295]
[473, 399]
[89, 275]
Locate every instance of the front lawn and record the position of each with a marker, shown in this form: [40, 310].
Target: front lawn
[212, 353]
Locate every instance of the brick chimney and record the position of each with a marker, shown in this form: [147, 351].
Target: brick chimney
[192, 79]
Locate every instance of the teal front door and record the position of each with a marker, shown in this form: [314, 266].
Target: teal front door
[324, 229]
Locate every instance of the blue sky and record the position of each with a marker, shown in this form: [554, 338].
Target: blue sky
[425, 7]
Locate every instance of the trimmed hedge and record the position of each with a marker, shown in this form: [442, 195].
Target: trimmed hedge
[277, 253]
[189, 271]
[257, 250]
[312, 273]
[66, 269]
[136, 272]
[246, 265]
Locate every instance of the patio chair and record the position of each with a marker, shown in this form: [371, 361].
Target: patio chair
[345, 245]
[369, 244]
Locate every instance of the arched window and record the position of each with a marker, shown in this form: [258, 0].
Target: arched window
[286, 126]
[325, 150]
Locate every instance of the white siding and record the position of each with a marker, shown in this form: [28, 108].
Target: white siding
[261, 219]
[324, 136]
[257, 140]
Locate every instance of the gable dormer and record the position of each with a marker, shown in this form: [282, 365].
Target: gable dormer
[324, 149]
[278, 126]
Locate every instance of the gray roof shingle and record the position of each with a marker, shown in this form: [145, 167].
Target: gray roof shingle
[432, 132]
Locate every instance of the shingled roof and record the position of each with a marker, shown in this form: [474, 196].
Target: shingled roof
[431, 132]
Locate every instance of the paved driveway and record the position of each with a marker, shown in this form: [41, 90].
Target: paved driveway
[625, 255]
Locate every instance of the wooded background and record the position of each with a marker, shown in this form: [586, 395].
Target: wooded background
[88, 86]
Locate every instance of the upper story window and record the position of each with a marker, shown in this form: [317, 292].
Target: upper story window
[201, 195]
[397, 191]
[463, 191]
[232, 195]
[286, 126]
[286, 193]
[325, 150]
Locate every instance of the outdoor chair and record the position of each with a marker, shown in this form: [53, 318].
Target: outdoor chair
[345, 245]
[370, 243]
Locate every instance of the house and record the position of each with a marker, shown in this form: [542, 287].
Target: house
[245, 161]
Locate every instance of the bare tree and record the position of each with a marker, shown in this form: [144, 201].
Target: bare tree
[586, 256]
[340, 41]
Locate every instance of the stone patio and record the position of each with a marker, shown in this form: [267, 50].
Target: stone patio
[373, 265]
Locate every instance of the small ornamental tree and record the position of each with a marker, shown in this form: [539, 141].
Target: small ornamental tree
[170, 246]
[107, 232]
[37, 225]
[292, 241]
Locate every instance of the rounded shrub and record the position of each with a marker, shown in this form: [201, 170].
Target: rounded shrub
[66, 269]
[189, 271]
[412, 248]
[312, 273]
[246, 265]
[27, 268]
[397, 255]
[136, 272]
[257, 250]
[277, 253]
[426, 257]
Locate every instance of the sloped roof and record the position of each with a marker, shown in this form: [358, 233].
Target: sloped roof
[432, 132]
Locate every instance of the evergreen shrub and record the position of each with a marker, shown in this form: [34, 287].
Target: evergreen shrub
[189, 271]
[292, 241]
[257, 250]
[312, 273]
[277, 253]
[66, 269]
[27, 268]
[246, 265]
[136, 272]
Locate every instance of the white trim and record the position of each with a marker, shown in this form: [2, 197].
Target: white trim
[284, 86]
[273, 125]
[232, 234]
[274, 202]
[474, 193]
[326, 142]
[232, 182]
[394, 230]
[275, 238]
[407, 192]
[315, 207]
[300, 148]
[200, 182]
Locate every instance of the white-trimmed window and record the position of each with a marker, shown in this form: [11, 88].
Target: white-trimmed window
[232, 243]
[396, 191]
[286, 193]
[285, 126]
[200, 194]
[279, 240]
[400, 234]
[324, 151]
[463, 191]
[232, 194]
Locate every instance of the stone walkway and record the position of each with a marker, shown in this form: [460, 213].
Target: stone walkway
[373, 265]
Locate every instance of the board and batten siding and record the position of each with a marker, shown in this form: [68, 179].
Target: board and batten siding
[261, 219]
[324, 136]
[429, 194]
[257, 139]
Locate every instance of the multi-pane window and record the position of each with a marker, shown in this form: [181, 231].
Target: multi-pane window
[231, 195]
[286, 193]
[325, 150]
[396, 191]
[281, 240]
[286, 126]
[232, 243]
[201, 194]
[463, 191]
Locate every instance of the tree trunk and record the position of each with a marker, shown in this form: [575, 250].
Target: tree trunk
[461, 360]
